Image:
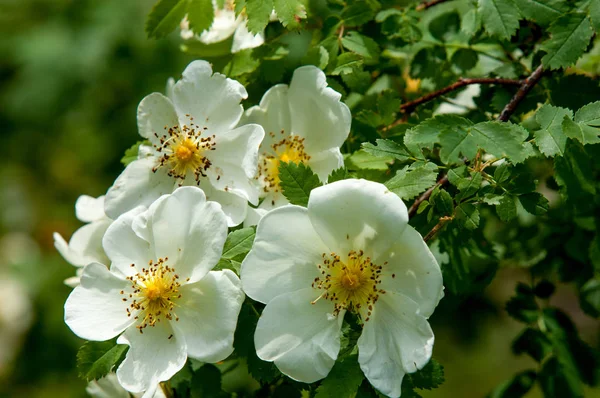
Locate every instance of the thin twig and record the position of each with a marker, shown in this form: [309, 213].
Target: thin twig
[436, 228]
[428, 4]
[415, 206]
[526, 87]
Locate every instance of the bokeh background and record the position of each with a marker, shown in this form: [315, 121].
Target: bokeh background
[71, 75]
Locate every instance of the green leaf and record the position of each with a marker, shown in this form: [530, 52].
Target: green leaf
[343, 380]
[456, 144]
[259, 12]
[588, 120]
[468, 186]
[543, 12]
[574, 175]
[550, 137]
[532, 342]
[569, 37]
[131, 153]
[241, 63]
[595, 14]
[317, 56]
[200, 14]
[206, 382]
[500, 140]
[165, 16]
[338, 175]
[465, 59]
[516, 387]
[386, 149]
[361, 45]
[238, 244]
[470, 22]
[442, 201]
[96, 359]
[199, 49]
[411, 181]
[556, 380]
[589, 297]
[522, 305]
[388, 105]
[431, 376]
[365, 160]
[427, 133]
[297, 180]
[467, 216]
[290, 12]
[347, 63]
[360, 12]
[500, 17]
[507, 209]
[534, 203]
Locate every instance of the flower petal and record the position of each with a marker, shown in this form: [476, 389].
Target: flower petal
[233, 205]
[89, 209]
[284, 256]
[94, 309]
[124, 247]
[106, 387]
[357, 215]
[154, 356]
[317, 112]
[323, 163]
[235, 161]
[155, 116]
[208, 312]
[86, 243]
[395, 340]
[243, 39]
[415, 271]
[303, 339]
[213, 100]
[188, 230]
[137, 185]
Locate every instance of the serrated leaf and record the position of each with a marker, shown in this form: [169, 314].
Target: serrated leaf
[258, 12]
[131, 153]
[443, 202]
[388, 105]
[386, 149]
[364, 160]
[361, 45]
[543, 12]
[534, 203]
[467, 216]
[338, 175]
[427, 133]
[550, 138]
[296, 181]
[317, 56]
[470, 22]
[468, 186]
[242, 62]
[96, 359]
[522, 306]
[456, 144]
[238, 244]
[360, 12]
[516, 387]
[200, 15]
[347, 63]
[506, 209]
[569, 37]
[500, 17]
[532, 342]
[431, 376]
[343, 380]
[589, 297]
[290, 12]
[595, 14]
[411, 181]
[588, 121]
[573, 173]
[206, 382]
[165, 16]
[500, 140]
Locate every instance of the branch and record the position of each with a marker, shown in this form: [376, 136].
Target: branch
[436, 228]
[526, 87]
[415, 206]
[428, 4]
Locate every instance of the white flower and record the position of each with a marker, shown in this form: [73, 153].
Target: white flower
[225, 24]
[160, 292]
[304, 123]
[351, 250]
[193, 142]
[85, 245]
[109, 387]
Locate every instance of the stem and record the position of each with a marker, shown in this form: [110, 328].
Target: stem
[526, 87]
[415, 206]
[436, 228]
[427, 4]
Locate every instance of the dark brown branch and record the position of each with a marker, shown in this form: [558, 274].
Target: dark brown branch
[428, 4]
[436, 228]
[415, 206]
[526, 87]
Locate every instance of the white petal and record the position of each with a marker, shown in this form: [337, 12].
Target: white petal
[396, 340]
[357, 215]
[235, 161]
[152, 357]
[253, 216]
[317, 112]
[415, 271]
[212, 100]
[155, 116]
[124, 247]
[303, 339]
[106, 387]
[86, 243]
[137, 186]
[188, 230]
[323, 163]
[94, 309]
[243, 39]
[234, 206]
[88, 209]
[223, 26]
[273, 114]
[63, 248]
[284, 256]
[208, 312]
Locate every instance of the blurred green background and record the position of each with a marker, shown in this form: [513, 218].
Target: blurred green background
[71, 75]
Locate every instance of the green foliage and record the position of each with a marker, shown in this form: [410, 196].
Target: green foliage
[290, 12]
[258, 12]
[543, 12]
[131, 154]
[500, 17]
[297, 180]
[569, 37]
[200, 14]
[237, 246]
[165, 17]
[206, 383]
[343, 380]
[412, 180]
[95, 359]
[386, 149]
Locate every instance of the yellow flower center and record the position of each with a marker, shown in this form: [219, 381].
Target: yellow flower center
[155, 291]
[289, 150]
[350, 284]
[184, 150]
